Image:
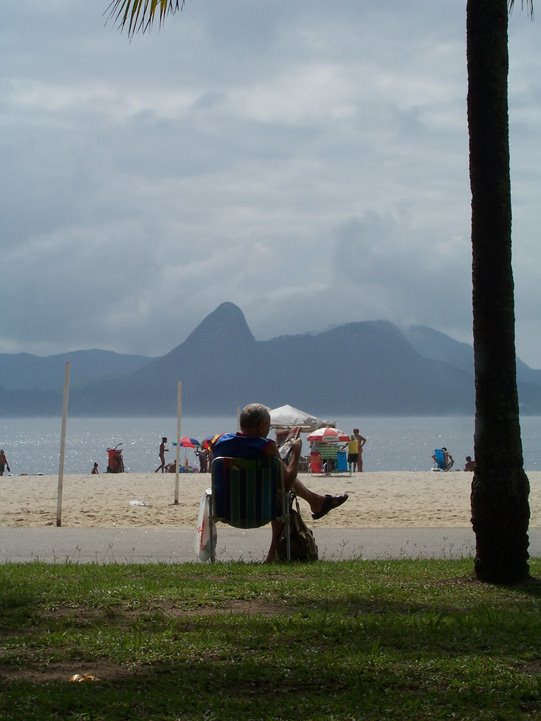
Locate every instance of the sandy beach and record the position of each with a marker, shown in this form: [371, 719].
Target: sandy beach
[386, 499]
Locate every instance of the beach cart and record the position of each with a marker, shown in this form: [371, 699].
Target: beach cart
[115, 462]
[327, 455]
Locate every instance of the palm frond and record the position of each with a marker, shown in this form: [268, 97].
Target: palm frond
[139, 15]
[528, 3]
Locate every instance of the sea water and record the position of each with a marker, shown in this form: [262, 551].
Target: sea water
[32, 445]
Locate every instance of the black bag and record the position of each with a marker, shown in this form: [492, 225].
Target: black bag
[303, 543]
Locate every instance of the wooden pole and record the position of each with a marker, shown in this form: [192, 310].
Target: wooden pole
[63, 444]
[179, 416]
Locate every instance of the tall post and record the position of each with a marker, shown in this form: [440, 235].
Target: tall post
[179, 416]
[63, 444]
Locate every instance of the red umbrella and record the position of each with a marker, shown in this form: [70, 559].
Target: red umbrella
[328, 435]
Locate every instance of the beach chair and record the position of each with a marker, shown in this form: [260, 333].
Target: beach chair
[247, 493]
[440, 460]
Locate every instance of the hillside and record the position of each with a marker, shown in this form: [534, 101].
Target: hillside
[369, 367]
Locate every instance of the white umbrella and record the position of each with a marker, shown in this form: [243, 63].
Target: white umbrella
[289, 417]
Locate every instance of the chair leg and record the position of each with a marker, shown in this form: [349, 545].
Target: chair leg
[212, 541]
[272, 555]
[286, 505]
[212, 529]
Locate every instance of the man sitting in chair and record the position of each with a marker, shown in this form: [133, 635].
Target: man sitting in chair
[252, 442]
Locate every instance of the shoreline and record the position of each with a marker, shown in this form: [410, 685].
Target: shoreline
[385, 499]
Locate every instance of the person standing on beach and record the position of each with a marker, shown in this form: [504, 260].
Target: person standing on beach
[353, 454]
[94, 470]
[4, 463]
[163, 450]
[361, 440]
[203, 455]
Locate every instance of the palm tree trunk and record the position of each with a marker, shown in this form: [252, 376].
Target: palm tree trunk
[500, 488]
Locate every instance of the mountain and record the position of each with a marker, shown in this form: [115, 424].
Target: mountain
[31, 372]
[31, 385]
[432, 344]
[369, 367]
[25, 403]
[216, 360]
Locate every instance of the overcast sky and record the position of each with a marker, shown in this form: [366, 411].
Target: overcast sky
[304, 159]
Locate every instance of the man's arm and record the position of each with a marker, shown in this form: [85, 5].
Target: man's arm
[292, 468]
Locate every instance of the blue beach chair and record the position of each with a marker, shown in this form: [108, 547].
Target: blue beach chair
[441, 460]
[247, 493]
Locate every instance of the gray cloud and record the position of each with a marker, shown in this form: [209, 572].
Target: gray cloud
[305, 161]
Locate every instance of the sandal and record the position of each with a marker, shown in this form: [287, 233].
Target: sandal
[329, 503]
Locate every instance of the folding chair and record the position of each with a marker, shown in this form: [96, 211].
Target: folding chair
[440, 460]
[247, 493]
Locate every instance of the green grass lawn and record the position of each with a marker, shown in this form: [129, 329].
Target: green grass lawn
[336, 641]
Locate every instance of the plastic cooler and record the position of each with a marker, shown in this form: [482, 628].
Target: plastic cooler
[315, 462]
[341, 461]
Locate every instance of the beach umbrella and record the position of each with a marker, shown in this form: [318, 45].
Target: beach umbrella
[328, 435]
[187, 442]
[287, 416]
[207, 441]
